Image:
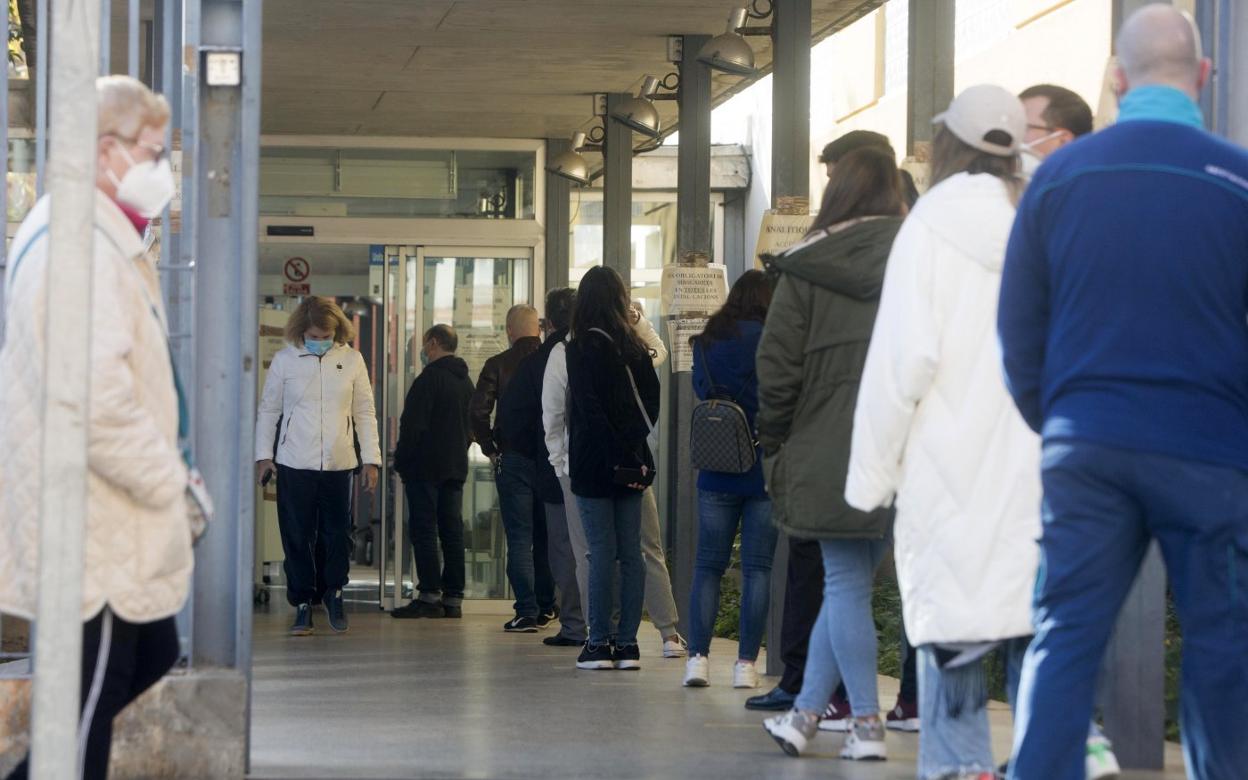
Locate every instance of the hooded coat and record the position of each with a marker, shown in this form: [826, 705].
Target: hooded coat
[936, 428]
[810, 359]
[434, 430]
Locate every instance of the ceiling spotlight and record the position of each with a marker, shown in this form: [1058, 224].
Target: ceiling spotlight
[639, 112]
[730, 52]
[571, 164]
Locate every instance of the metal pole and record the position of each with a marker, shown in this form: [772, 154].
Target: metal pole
[1236, 31]
[693, 234]
[106, 36]
[132, 39]
[558, 215]
[66, 387]
[790, 107]
[617, 196]
[930, 67]
[42, 76]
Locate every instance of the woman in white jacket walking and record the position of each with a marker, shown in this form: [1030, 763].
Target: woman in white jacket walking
[319, 390]
[137, 546]
[934, 426]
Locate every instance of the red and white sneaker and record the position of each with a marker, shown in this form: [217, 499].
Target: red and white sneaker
[837, 716]
[904, 717]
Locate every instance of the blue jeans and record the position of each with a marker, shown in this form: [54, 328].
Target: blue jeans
[843, 643]
[1102, 508]
[718, 516]
[524, 521]
[613, 530]
[956, 736]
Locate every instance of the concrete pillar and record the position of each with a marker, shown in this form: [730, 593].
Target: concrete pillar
[693, 234]
[617, 196]
[930, 69]
[790, 177]
[558, 214]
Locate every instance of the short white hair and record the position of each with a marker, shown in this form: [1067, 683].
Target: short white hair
[126, 106]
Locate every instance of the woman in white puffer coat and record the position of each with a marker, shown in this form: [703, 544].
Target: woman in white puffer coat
[934, 426]
[137, 546]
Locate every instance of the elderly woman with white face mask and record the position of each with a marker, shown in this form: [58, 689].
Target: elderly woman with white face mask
[138, 524]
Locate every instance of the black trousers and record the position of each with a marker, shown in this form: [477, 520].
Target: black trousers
[803, 598]
[314, 516]
[435, 514]
[120, 661]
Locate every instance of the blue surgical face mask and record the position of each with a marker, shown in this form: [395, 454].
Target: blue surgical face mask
[318, 348]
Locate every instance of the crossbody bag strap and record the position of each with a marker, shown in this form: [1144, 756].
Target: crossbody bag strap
[632, 381]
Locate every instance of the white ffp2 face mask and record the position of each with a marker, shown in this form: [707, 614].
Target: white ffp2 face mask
[147, 187]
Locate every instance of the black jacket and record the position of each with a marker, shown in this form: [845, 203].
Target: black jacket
[605, 425]
[433, 431]
[520, 418]
[496, 374]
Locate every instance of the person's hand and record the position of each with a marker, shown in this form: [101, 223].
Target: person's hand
[493, 461]
[637, 486]
[265, 468]
[634, 312]
[371, 475]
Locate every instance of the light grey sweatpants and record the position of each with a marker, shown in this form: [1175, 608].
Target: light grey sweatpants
[659, 601]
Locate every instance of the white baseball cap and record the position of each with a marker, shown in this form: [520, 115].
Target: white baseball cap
[987, 110]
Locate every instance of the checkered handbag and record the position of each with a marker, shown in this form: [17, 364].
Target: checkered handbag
[720, 437]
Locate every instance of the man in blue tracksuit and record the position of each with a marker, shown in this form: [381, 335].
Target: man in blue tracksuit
[1124, 329]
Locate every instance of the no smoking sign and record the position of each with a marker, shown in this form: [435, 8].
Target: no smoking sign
[297, 269]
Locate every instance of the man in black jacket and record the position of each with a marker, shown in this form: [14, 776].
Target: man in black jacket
[524, 518]
[432, 459]
[520, 415]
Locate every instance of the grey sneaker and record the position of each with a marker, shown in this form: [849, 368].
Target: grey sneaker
[865, 741]
[793, 730]
[337, 615]
[303, 621]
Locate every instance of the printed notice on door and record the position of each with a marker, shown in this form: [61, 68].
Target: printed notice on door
[679, 331]
[692, 290]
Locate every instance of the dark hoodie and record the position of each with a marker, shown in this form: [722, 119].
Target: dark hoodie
[810, 361]
[434, 430]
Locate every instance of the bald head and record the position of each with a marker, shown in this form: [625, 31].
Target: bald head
[522, 322]
[1160, 45]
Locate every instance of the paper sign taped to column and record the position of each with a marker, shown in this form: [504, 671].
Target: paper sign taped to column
[679, 331]
[689, 289]
[778, 233]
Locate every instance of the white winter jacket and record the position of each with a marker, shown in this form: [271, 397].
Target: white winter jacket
[324, 404]
[138, 540]
[935, 426]
[555, 396]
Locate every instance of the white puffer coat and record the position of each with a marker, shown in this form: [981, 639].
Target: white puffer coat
[323, 404]
[138, 540]
[935, 425]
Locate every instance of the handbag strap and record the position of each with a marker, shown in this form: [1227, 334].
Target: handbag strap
[632, 381]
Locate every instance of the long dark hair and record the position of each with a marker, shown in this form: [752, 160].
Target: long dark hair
[951, 156]
[865, 183]
[748, 300]
[602, 302]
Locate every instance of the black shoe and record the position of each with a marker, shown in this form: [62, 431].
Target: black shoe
[419, 609]
[596, 657]
[303, 621]
[455, 612]
[547, 617]
[627, 657]
[775, 700]
[559, 640]
[521, 625]
[337, 615]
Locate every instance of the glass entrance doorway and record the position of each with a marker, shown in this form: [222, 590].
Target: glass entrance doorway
[394, 294]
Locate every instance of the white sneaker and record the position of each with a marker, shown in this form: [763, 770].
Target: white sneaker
[1101, 763]
[697, 672]
[865, 741]
[792, 731]
[675, 648]
[745, 675]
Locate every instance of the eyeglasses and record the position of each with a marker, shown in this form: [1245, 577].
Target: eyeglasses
[157, 151]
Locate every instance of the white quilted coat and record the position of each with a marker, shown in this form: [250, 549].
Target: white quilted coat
[935, 426]
[138, 541]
